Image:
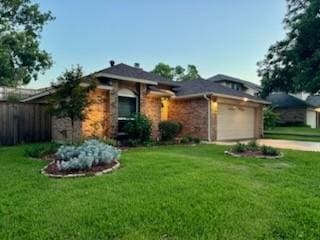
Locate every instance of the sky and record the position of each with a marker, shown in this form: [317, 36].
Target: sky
[218, 36]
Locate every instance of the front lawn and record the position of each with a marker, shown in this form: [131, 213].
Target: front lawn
[294, 133]
[172, 192]
[301, 130]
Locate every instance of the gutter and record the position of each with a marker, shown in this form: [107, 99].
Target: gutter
[222, 95]
[209, 116]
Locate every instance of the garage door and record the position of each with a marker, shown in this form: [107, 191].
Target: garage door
[235, 122]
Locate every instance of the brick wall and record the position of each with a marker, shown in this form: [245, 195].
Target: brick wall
[192, 114]
[97, 121]
[291, 115]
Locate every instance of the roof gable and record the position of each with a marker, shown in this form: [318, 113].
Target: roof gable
[124, 70]
[283, 100]
[222, 77]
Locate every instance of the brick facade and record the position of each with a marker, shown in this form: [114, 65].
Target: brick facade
[102, 114]
[292, 115]
[192, 114]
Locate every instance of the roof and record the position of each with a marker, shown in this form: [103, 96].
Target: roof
[314, 100]
[222, 77]
[124, 70]
[201, 86]
[283, 100]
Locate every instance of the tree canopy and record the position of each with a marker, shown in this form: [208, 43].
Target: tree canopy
[177, 73]
[293, 64]
[70, 99]
[21, 58]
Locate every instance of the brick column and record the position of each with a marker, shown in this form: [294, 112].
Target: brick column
[113, 130]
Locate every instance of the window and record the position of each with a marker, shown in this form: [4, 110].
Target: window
[127, 103]
[127, 106]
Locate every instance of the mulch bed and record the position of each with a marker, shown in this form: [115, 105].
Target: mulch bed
[52, 168]
[256, 154]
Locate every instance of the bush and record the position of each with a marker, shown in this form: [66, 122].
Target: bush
[253, 146]
[190, 139]
[270, 118]
[90, 153]
[110, 141]
[138, 129]
[269, 151]
[239, 148]
[40, 150]
[169, 130]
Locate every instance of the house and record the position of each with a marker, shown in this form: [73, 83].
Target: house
[295, 111]
[205, 109]
[237, 84]
[20, 93]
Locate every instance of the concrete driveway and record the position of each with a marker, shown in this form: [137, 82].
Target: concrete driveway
[285, 144]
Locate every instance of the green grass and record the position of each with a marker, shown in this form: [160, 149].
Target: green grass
[291, 137]
[171, 192]
[301, 130]
[294, 133]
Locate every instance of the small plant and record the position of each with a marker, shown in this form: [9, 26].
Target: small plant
[138, 129]
[110, 141]
[239, 148]
[253, 146]
[40, 150]
[85, 156]
[269, 151]
[169, 130]
[270, 118]
[190, 139]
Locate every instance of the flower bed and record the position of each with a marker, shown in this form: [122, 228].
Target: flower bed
[252, 149]
[90, 158]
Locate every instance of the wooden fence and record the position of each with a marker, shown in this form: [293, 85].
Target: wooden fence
[24, 123]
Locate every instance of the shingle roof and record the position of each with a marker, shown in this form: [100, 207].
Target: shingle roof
[222, 77]
[314, 100]
[200, 86]
[283, 100]
[125, 70]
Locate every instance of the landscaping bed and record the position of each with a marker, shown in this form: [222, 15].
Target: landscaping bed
[252, 149]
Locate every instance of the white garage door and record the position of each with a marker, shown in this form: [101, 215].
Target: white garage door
[311, 119]
[235, 122]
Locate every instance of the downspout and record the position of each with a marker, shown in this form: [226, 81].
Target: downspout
[209, 116]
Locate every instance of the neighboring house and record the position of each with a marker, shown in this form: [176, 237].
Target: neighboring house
[315, 101]
[20, 93]
[205, 109]
[237, 84]
[293, 110]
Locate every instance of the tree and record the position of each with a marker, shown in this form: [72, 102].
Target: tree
[21, 58]
[69, 98]
[293, 64]
[176, 73]
[164, 70]
[192, 73]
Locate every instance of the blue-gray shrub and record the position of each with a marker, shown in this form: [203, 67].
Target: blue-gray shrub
[90, 153]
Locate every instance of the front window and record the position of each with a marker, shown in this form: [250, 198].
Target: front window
[127, 106]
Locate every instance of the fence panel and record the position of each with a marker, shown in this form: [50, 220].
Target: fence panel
[24, 123]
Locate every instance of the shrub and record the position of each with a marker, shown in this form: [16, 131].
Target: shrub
[40, 150]
[138, 129]
[269, 151]
[253, 146]
[270, 118]
[239, 148]
[190, 139]
[110, 141]
[169, 130]
[90, 153]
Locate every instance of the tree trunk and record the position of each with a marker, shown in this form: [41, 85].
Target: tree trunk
[72, 126]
